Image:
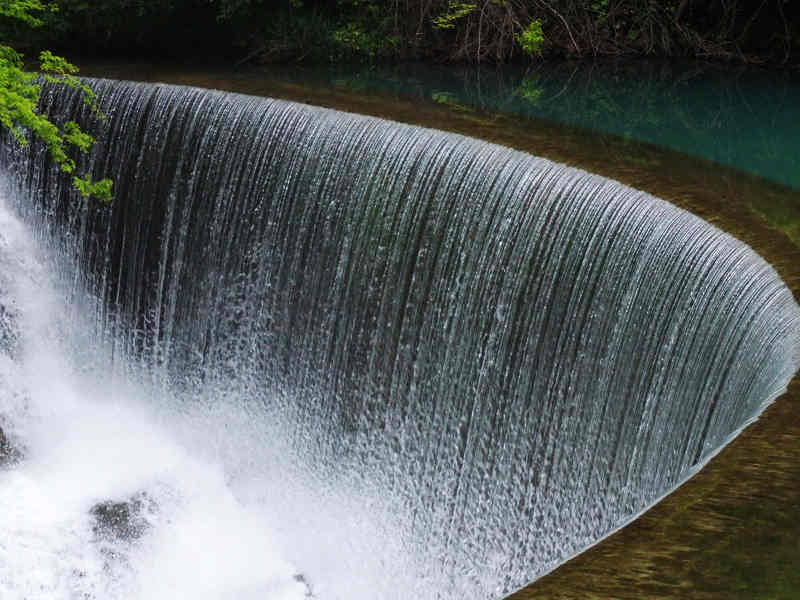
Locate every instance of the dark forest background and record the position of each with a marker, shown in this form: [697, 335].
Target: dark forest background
[241, 31]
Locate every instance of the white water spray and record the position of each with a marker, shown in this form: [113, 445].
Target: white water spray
[409, 363]
[87, 437]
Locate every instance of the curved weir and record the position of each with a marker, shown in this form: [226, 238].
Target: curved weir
[441, 367]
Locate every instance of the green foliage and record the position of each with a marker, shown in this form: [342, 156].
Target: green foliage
[297, 30]
[56, 64]
[600, 7]
[55, 69]
[19, 98]
[370, 30]
[80, 139]
[97, 189]
[353, 39]
[25, 11]
[122, 27]
[532, 38]
[362, 31]
[471, 30]
[455, 12]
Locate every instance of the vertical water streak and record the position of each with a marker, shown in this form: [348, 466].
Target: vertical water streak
[515, 356]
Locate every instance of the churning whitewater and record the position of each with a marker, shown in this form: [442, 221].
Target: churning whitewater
[85, 438]
[309, 353]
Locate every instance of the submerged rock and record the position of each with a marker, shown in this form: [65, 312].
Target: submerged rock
[121, 520]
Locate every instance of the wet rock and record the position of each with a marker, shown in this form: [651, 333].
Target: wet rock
[8, 331]
[9, 454]
[121, 520]
[5, 446]
[299, 577]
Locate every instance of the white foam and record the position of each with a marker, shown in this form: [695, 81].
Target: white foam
[88, 438]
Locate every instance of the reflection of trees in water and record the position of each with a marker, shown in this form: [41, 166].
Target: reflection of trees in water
[741, 118]
[738, 117]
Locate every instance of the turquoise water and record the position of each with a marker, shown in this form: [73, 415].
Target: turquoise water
[748, 119]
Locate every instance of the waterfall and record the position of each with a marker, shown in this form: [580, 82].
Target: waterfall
[442, 367]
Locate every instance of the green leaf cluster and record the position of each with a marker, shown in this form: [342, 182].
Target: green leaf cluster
[455, 12]
[19, 100]
[25, 11]
[531, 39]
[361, 31]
